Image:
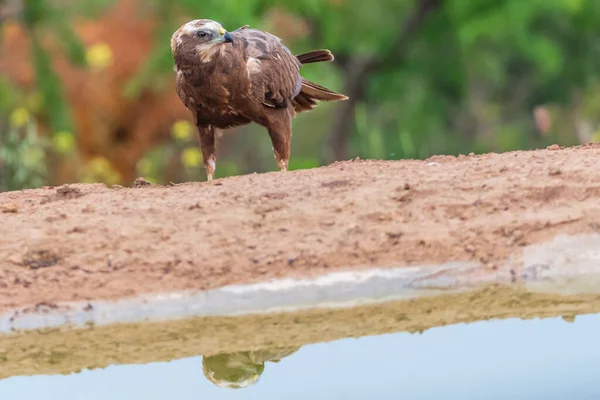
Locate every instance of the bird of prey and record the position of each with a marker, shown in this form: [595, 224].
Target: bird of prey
[229, 79]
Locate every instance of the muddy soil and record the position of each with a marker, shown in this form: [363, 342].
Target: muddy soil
[79, 242]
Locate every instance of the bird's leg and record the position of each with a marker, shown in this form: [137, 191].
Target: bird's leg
[280, 131]
[208, 147]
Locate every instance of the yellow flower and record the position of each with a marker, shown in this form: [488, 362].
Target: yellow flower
[112, 178]
[63, 142]
[99, 56]
[19, 117]
[181, 130]
[191, 157]
[99, 165]
[99, 169]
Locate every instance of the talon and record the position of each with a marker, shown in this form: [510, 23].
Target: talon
[209, 177]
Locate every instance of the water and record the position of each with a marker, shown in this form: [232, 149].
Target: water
[512, 358]
[342, 336]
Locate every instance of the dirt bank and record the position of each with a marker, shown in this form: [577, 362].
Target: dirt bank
[88, 241]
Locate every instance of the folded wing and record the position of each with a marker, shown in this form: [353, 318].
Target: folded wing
[272, 69]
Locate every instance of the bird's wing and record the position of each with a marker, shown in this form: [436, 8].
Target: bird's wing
[183, 90]
[272, 69]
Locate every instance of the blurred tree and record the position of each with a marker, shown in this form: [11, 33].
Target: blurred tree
[111, 131]
[424, 77]
[426, 72]
[47, 26]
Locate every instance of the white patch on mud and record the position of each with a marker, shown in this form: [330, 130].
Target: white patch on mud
[339, 289]
[567, 265]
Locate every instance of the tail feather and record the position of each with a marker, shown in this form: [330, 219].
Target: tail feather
[315, 56]
[311, 93]
[318, 92]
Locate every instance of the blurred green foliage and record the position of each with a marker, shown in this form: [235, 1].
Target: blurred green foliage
[467, 79]
[43, 18]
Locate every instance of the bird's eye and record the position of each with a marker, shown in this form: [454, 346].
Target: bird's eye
[201, 34]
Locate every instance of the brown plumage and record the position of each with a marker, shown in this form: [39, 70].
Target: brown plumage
[229, 79]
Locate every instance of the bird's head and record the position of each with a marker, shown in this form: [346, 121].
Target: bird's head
[200, 35]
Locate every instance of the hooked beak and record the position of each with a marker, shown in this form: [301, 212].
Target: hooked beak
[227, 38]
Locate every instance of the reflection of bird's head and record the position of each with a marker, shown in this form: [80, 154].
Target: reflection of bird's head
[242, 369]
[199, 36]
[232, 371]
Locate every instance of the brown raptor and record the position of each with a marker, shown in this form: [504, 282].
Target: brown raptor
[229, 79]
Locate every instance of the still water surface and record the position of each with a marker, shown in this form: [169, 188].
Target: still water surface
[500, 359]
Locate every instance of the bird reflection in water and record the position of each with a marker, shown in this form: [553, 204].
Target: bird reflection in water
[242, 369]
